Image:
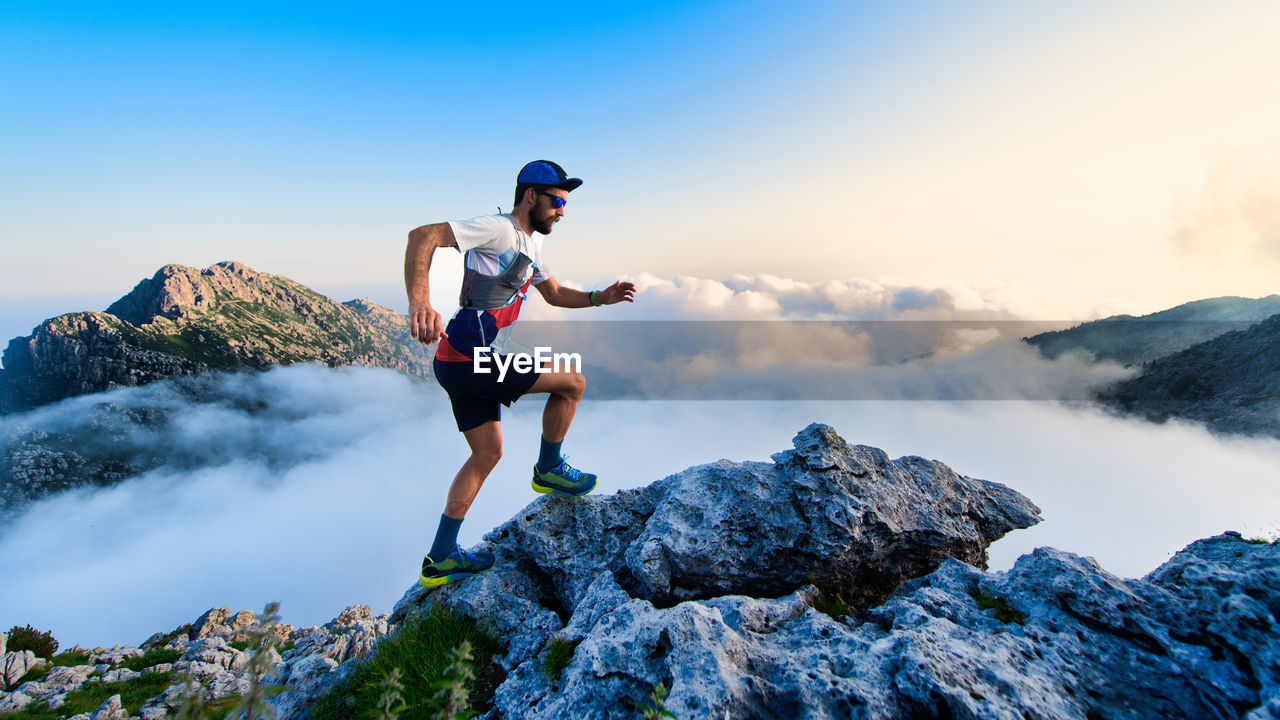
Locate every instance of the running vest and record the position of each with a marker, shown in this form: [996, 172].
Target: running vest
[488, 305]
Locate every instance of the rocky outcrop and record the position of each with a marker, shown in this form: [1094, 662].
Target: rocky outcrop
[184, 321]
[1230, 383]
[1055, 637]
[826, 514]
[16, 664]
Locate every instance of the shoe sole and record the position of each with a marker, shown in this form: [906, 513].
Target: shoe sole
[432, 582]
[544, 489]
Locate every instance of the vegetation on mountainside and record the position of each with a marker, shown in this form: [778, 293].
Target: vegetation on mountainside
[133, 693]
[557, 656]
[29, 638]
[424, 649]
[1003, 612]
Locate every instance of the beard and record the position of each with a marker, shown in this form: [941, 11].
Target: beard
[543, 225]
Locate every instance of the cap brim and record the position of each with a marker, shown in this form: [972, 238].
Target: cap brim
[570, 184]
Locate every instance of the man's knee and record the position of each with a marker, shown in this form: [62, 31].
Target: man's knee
[487, 456]
[577, 385]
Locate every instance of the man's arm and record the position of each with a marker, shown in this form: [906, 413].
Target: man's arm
[425, 324]
[560, 296]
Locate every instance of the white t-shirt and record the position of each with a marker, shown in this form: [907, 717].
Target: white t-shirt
[492, 241]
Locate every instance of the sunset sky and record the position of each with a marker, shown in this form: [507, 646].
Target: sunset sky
[1068, 160]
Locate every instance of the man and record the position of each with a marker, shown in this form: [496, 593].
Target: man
[503, 257]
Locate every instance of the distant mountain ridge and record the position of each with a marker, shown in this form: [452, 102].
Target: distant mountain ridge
[184, 320]
[1231, 383]
[1133, 340]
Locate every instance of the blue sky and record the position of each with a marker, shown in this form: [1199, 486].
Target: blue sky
[1088, 158]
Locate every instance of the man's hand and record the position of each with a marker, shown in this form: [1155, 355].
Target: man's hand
[617, 292]
[425, 324]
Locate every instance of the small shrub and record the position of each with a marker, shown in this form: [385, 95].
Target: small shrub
[559, 654]
[391, 703]
[241, 645]
[655, 710]
[1004, 613]
[453, 698]
[29, 638]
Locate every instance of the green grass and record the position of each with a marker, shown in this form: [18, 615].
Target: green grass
[1004, 613]
[154, 657]
[558, 654]
[133, 693]
[422, 649]
[831, 602]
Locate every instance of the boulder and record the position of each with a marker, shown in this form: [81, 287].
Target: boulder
[18, 664]
[112, 709]
[845, 518]
[1055, 637]
[210, 623]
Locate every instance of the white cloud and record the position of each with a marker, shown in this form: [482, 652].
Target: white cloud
[346, 518]
[769, 297]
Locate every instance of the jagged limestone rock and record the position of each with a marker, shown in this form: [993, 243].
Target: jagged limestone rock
[17, 664]
[111, 709]
[210, 623]
[1055, 637]
[826, 513]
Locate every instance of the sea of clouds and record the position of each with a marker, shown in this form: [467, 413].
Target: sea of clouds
[321, 488]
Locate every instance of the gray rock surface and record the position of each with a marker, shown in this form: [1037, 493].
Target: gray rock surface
[826, 513]
[111, 709]
[17, 664]
[1197, 638]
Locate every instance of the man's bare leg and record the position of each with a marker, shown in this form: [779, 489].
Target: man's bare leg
[486, 450]
[566, 389]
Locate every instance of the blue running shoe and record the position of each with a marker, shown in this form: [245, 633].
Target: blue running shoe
[457, 565]
[564, 479]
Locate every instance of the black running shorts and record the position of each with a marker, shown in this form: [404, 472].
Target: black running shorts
[476, 397]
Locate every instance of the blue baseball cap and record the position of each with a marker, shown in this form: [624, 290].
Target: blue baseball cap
[545, 172]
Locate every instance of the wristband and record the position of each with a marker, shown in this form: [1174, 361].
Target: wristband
[592, 297]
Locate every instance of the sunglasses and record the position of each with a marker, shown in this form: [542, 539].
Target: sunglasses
[557, 202]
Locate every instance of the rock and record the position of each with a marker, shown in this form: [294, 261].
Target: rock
[120, 675]
[115, 656]
[112, 709]
[160, 668]
[1059, 638]
[4, 643]
[243, 619]
[209, 623]
[825, 513]
[18, 664]
[306, 680]
[14, 701]
[209, 656]
[66, 679]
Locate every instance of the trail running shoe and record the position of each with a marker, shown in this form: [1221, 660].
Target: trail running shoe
[563, 479]
[457, 565]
